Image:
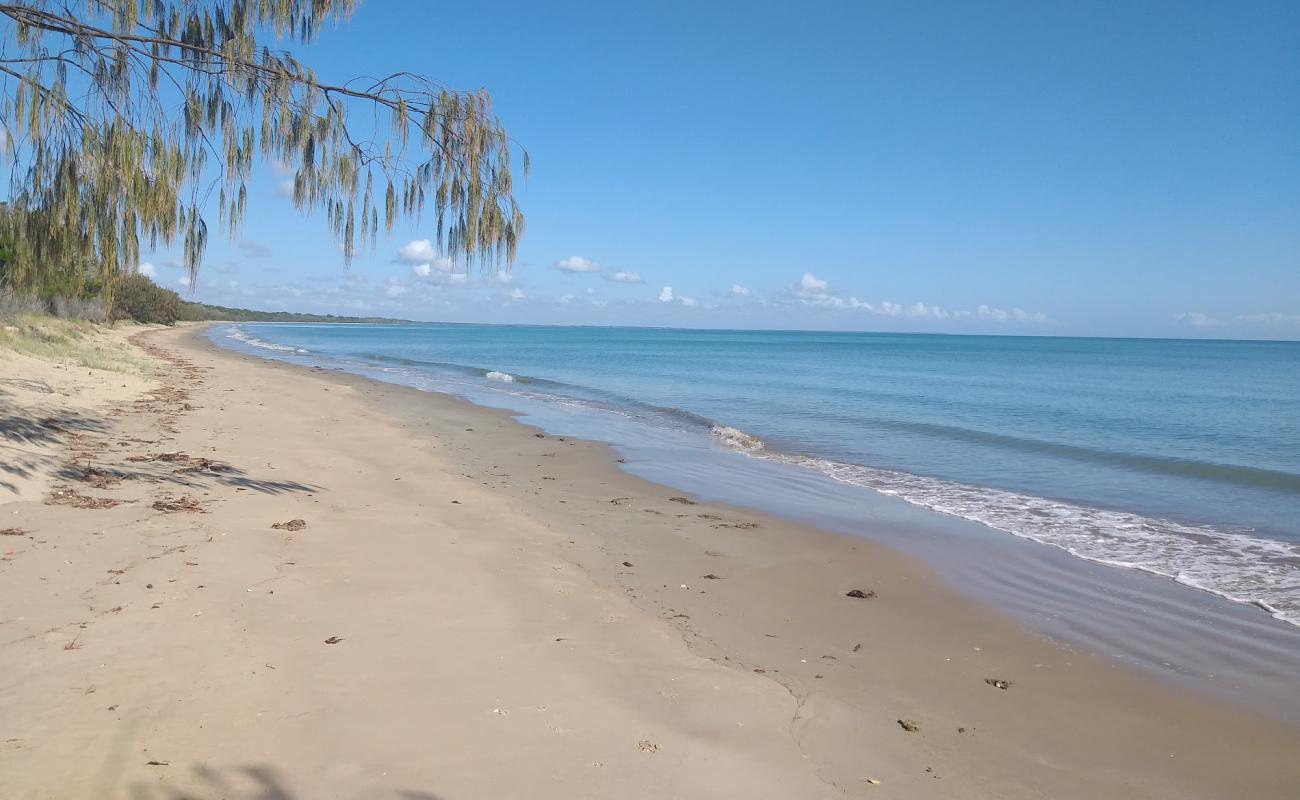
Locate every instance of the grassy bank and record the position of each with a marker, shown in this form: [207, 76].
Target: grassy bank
[69, 342]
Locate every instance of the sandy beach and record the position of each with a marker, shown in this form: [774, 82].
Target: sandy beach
[223, 577]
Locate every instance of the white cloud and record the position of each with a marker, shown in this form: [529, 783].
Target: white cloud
[1028, 316]
[395, 288]
[810, 284]
[566, 299]
[666, 294]
[516, 294]
[428, 264]
[737, 290]
[147, 269]
[1198, 319]
[501, 278]
[813, 291]
[421, 252]
[622, 276]
[1272, 318]
[285, 188]
[687, 301]
[576, 264]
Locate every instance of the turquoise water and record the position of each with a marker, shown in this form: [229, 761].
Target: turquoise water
[1179, 458]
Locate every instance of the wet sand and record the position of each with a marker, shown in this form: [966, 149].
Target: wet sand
[476, 609]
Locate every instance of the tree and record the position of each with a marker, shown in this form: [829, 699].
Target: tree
[123, 119]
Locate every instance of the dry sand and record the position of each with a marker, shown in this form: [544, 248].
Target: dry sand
[476, 610]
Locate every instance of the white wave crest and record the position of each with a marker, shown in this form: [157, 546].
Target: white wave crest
[734, 437]
[504, 377]
[240, 335]
[1230, 564]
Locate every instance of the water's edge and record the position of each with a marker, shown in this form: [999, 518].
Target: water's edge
[1130, 616]
[1228, 563]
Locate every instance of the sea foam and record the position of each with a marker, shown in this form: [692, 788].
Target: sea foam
[734, 437]
[504, 377]
[240, 335]
[1230, 564]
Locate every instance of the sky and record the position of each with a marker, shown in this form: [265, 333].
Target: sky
[1111, 169]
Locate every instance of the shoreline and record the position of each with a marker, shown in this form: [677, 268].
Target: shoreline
[1124, 615]
[480, 573]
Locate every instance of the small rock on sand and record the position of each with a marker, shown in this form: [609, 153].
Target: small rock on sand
[291, 525]
[863, 595]
[911, 726]
[998, 683]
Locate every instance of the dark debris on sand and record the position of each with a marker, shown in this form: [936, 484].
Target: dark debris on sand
[173, 505]
[291, 525]
[67, 496]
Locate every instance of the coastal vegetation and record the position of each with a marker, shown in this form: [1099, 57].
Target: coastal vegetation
[128, 124]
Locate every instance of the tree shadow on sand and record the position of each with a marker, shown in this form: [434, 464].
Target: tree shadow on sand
[18, 432]
[23, 437]
[178, 469]
[251, 782]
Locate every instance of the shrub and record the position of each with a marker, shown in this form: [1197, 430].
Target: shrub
[91, 309]
[138, 298]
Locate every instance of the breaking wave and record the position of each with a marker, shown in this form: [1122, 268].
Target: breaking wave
[240, 335]
[1231, 564]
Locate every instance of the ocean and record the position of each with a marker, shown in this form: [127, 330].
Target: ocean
[1179, 458]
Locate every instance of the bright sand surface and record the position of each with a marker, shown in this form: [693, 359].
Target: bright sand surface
[476, 610]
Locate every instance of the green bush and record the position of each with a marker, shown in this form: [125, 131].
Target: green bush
[138, 298]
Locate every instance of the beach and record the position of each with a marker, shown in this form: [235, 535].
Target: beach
[470, 607]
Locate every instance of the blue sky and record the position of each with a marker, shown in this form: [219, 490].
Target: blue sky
[1098, 169]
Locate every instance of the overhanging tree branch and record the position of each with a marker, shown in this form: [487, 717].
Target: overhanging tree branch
[176, 89]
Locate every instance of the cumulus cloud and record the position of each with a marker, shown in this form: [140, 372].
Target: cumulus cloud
[687, 301]
[622, 276]
[810, 284]
[147, 269]
[737, 290]
[810, 290]
[426, 262]
[516, 294]
[285, 188]
[813, 291]
[1198, 319]
[666, 294]
[576, 264]
[422, 252]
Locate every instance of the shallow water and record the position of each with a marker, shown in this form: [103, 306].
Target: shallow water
[1174, 459]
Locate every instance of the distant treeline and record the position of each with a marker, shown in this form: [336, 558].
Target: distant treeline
[203, 311]
[136, 297]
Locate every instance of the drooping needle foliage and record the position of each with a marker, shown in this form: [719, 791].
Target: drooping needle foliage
[130, 120]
